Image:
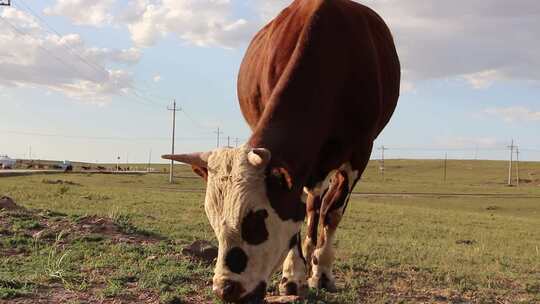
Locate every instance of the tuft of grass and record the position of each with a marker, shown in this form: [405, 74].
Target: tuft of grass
[114, 288]
[26, 225]
[11, 289]
[58, 267]
[62, 190]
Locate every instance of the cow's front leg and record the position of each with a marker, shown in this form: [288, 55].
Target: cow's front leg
[310, 242]
[331, 212]
[293, 281]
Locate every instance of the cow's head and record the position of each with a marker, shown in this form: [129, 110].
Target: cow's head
[255, 212]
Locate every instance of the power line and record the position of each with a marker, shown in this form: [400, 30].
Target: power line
[95, 66]
[103, 137]
[448, 149]
[195, 122]
[511, 147]
[174, 110]
[20, 32]
[69, 48]
[218, 133]
[517, 165]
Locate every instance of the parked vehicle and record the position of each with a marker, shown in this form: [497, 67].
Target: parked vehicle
[65, 166]
[6, 162]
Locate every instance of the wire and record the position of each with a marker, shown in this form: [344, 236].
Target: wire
[445, 149]
[195, 122]
[104, 137]
[95, 66]
[20, 32]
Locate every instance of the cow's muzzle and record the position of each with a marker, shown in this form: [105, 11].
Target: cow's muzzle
[231, 291]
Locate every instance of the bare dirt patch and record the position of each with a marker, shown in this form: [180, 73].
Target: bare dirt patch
[59, 182]
[57, 294]
[46, 226]
[22, 229]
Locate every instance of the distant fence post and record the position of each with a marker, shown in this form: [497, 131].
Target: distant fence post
[381, 167]
[445, 166]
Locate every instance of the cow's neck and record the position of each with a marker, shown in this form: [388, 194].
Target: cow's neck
[293, 141]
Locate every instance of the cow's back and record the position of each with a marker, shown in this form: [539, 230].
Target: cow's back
[351, 48]
[272, 49]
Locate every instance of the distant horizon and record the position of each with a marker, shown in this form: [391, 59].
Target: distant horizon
[90, 82]
[165, 162]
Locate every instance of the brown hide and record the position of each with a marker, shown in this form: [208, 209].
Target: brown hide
[317, 86]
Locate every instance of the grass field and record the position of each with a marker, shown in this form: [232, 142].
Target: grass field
[118, 239]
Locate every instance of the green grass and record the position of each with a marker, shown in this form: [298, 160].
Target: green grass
[391, 249]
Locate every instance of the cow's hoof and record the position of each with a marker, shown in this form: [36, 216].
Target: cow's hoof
[323, 282]
[293, 288]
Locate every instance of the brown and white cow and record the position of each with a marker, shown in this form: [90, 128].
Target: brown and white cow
[317, 86]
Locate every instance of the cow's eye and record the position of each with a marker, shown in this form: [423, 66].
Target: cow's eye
[279, 179]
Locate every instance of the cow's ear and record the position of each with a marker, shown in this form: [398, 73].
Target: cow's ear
[259, 157]
[283, 177]
[200, 171]
[198, 161]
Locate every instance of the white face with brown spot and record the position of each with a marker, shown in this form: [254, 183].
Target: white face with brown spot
[253, 236]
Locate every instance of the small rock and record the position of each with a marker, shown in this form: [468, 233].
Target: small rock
[440, 298]
[465, 242]
[282, 299]
[201, 250]
[7, 203]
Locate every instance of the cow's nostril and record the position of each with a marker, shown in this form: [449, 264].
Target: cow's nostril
[229, 288]
[230, 291]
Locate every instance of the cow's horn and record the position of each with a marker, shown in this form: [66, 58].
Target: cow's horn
[199, 159]
[259, 157]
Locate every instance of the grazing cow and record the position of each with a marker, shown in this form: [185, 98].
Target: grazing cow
[317, 86]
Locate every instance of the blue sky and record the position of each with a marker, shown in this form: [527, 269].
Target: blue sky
[100, 89]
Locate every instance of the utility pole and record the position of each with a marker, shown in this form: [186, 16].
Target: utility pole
[517, 164]
[30, 152]
[218, 133]
[118, 163]
[445, 166]
[236, 142]
[174, 110]
[149, 161]
[510, 164]
[228, 141]
[382, 148]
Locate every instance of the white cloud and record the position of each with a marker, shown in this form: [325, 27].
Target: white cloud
[514, 114]
[483, 79]
[157, 78]
[127, 56]
[481, 41]
[269, 9]
[30, 57]
[84, 12]
[199, 22]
